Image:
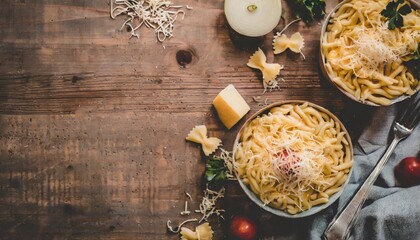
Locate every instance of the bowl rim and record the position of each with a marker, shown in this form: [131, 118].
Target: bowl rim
[278, 212]
[322, 60]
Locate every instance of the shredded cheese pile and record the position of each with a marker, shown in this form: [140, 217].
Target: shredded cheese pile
[208, 204]
[296, 163]
[373, 48]
[156, 14]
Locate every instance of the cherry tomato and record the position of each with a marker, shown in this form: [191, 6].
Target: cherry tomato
[243, 228]
[408, 171]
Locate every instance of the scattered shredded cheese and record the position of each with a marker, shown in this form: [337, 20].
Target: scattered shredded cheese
[186, 211]
[159, 15]
[188, 195]
[178, 228]
[208, 204]
[288, 25]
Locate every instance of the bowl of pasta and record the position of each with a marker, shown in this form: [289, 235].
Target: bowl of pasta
[293, 158]
[366, 48]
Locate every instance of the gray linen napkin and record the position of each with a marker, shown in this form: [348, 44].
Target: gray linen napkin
[390, 211]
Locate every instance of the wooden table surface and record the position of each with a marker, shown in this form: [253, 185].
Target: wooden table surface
[93, 124]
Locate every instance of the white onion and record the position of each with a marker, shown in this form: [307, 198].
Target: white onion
[254, 23]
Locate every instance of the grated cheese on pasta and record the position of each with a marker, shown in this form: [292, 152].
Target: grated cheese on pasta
[364, 58]
[226, 156]
[294, 157]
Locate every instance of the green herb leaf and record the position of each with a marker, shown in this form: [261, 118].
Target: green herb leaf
[395, 22]
[391, 24]
[390, 10]
[413, 64]
[309, 10]
[215, 170]
[395, 14]
[405, 9]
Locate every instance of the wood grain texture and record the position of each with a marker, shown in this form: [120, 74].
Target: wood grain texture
[92, 124]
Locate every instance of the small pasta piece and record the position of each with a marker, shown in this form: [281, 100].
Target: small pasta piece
[199, 135]
[202, 232]
[343, 166]
[270, 71]
[295, 43]
[319, 201]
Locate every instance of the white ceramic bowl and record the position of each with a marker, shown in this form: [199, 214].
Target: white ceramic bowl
[323, 60]
[256, 199]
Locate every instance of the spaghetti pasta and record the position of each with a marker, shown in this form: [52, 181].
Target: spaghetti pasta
[294, 157]
[364, 58]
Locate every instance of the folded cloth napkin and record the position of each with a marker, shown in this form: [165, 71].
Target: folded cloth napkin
[390, 211]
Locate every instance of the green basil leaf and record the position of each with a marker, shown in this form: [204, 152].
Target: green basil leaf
[309, 10]
[391, 23]
[413, 64]
[215, 170]
[399, 21]
[405, 9]
[390, 10]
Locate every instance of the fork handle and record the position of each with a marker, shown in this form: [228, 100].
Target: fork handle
[342, 222]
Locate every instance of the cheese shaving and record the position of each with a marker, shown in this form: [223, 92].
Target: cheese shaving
[208, 204]
[159, 15]
[226, 156]
[186, 211]
[371, 50]
[178, 228]
[188, 195]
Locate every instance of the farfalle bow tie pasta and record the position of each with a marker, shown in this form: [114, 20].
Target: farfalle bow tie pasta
[199, 135]
[202, 232]
[269, 70]
[295, 43]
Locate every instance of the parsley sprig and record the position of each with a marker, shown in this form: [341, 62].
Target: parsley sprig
[309, 10]
[394, 13]
[215, 170]
[414, 63]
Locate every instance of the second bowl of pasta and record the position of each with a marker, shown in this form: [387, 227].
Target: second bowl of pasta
[293, 158]
[366, 55]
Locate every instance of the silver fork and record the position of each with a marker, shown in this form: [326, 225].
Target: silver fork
[402, 128]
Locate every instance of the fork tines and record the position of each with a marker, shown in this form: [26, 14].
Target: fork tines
[411, 115]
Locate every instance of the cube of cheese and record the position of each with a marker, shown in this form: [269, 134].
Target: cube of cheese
[230, 106]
